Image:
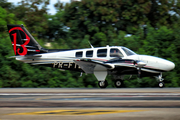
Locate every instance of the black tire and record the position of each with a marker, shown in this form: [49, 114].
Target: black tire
[103, 85]
[161, 84]
[118, 83]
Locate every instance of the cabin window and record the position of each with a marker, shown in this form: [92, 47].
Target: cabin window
[79, 54]
[89, 53]
[102, 53]
[114, 52]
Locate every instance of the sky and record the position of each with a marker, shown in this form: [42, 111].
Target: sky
[51, 10]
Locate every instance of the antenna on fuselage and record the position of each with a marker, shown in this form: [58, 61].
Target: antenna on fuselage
[90, 45]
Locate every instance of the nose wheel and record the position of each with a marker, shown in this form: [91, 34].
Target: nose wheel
[161, 84]
[103, 84]
[160, 81]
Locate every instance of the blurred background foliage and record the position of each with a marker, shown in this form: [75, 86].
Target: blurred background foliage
[146, 26]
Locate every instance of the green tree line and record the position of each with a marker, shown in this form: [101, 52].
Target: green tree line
[148, 27]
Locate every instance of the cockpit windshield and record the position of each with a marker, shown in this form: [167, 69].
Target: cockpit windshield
[128, 51]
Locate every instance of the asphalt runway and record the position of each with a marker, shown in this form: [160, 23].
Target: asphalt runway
[88, 104]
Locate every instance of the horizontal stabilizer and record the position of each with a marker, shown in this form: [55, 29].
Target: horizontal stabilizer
[27, 56]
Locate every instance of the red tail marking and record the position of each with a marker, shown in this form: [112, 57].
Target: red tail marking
[15, 38]
[14, 42]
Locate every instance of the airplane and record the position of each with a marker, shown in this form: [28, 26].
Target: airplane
[100, 61]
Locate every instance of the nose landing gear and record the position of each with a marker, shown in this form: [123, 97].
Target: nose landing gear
[161, 84]
[160, 81]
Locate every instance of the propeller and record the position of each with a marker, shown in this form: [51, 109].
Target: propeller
[139, 72]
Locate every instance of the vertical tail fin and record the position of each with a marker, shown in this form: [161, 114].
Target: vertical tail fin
[22, 41]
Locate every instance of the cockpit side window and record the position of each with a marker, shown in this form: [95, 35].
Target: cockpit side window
[102, 53]
[114, 52]
[128, 52]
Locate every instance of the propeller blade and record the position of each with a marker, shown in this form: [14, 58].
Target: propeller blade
[139, 72]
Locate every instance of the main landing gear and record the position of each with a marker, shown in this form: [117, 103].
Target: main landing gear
[160, 81]
[118, 83]
[103, 84]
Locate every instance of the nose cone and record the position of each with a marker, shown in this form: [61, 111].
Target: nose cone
[157, 63]
[170, 65]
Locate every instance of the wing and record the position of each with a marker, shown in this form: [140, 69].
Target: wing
[91, 65]
[98, 67]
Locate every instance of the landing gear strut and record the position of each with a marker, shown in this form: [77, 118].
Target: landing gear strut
[118, 83]
[160, 80]
[103, 84]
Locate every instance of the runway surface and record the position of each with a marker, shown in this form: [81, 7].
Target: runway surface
[80, 104]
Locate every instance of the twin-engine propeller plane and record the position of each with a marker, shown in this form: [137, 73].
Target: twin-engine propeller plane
[101, 61]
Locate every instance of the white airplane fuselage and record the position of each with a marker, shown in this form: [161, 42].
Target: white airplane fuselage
[154, 64]
[101, 61]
